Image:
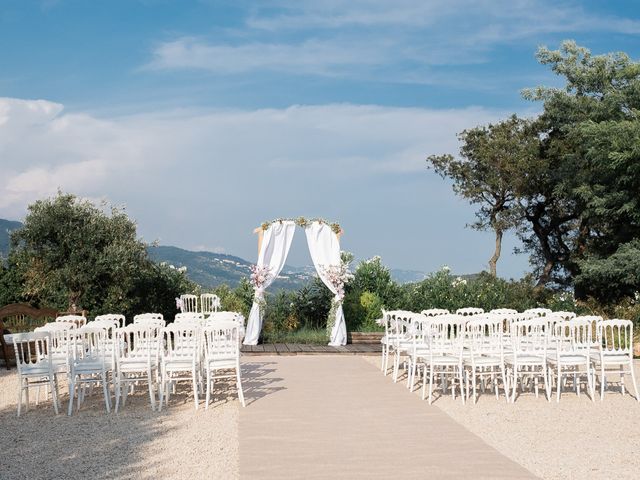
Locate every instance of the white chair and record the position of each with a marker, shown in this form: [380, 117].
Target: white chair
[180, 359]
[562, 315]
[209, 303]
[528, 358]
[34, 365]
[110, 324]
[237, 317]
[188, 303]
[469, 311]
[77, 320]
[420, 332]
[615, 350]
[486, 353]
[403, 340]
[120, 319]
[89, 365]
[503, 311]
[445, 355]
[60, 348]
[137, 359]
[189, 317]
[537, 312]
[153, 319]
[434, 312]
[222, 352]
[572, 339]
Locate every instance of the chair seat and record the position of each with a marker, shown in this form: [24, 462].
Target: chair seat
[568, 359]
[445, 360]
[611, 358]
[39, 370]
[524, 359]
[484, 361]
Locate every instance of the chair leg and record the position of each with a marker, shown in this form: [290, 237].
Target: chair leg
[20, 395]
[431, 384]
[72, 393]
[603, 381]
[152, 395]
[53, 393]
[633, 380]
[504, 382]
[239, 385]
[622, 379]
[473, 385]
[208, 394]
[107, 400]
[195, 387]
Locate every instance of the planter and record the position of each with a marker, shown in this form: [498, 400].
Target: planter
[364, 337]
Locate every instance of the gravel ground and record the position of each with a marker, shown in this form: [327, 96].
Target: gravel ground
[571, 439]
[136, 443]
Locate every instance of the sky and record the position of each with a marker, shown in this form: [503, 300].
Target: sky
[205, 118]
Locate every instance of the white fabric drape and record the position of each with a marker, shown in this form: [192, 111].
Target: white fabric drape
[273, 253]
[324, 248]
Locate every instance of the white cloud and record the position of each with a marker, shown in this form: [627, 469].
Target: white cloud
[208, 177]
[401, 40]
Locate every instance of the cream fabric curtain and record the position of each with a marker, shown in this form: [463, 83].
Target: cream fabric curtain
[324, 247]
[273, 253]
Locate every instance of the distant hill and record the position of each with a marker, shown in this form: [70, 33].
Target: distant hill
[6, 226]
[212, 269]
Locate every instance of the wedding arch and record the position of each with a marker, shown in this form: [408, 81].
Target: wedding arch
[274, 241]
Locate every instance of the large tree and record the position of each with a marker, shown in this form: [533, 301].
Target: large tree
[488, 173]
[70, 252]
[587, 205]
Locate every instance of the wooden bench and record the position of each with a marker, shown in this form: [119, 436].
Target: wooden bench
[21, 317]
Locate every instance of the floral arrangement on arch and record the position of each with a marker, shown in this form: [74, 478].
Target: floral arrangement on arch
[305, 222]
[338, 276]
[260, 274]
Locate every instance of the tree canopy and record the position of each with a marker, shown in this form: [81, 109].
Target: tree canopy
[70, 252]
[570, 177]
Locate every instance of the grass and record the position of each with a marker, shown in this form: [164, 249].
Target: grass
[315, 336]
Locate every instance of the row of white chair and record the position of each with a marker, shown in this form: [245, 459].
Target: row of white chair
[106, 353]
[209, 303]
[509, 347]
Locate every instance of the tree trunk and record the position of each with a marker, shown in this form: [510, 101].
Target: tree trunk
[493, 270]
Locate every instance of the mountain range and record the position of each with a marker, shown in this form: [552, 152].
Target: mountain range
[212, 269]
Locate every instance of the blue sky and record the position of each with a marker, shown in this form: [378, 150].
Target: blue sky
[205, 118]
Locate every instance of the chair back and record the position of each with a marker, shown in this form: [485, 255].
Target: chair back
[469, 311]
[503, 311]
[181, 342]
[529, 337]
[188, 303]
[222, 341]
[537, 312]
[216, 317]
[140, 341]
[434, 312]
[562, 315]
[484, 335]
[32, 351]
[209, 303]
[615, 337]
[573, 337]
[112, 317]
[447, 334]
[90, 345]
[189, 317]
[77, 320]
[152, 319]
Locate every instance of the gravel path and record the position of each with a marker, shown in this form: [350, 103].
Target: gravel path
[136, 443]
[571, 439]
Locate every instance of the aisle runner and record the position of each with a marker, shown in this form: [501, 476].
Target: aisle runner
[338, 417]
